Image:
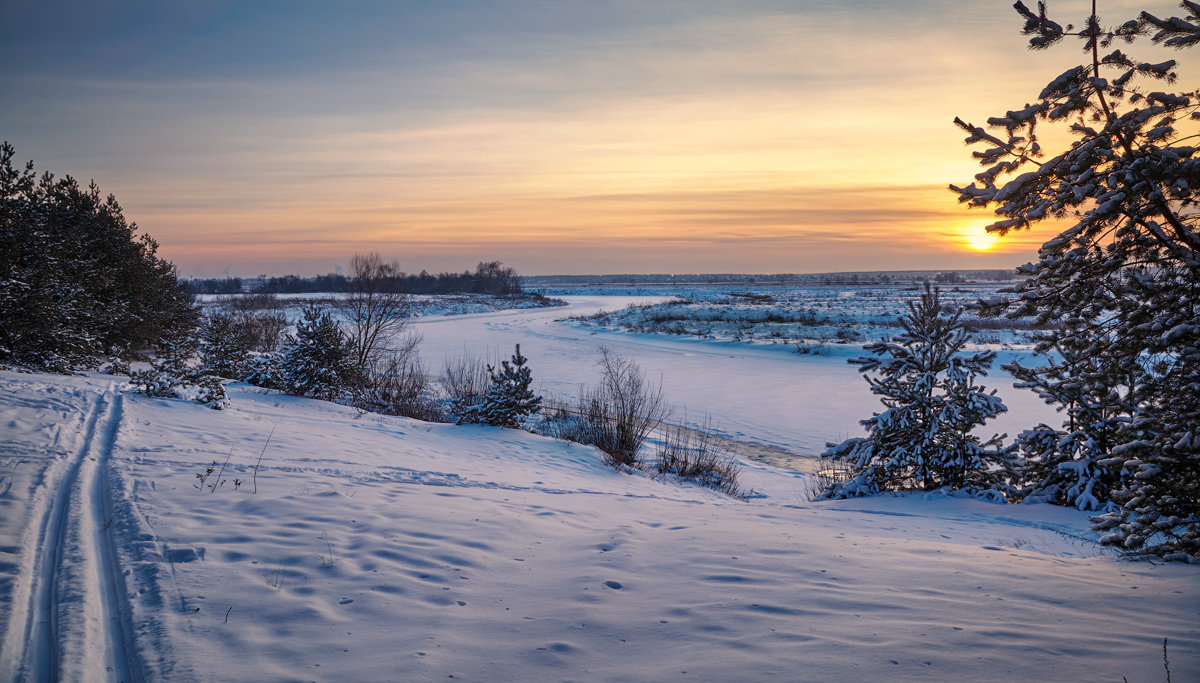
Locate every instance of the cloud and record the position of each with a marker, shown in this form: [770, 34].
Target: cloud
[816, 130]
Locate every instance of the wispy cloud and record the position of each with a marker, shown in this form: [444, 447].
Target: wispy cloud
[741, 136]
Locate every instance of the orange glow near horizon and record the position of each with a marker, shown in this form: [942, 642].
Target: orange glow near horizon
[594, 138]
[770, 183]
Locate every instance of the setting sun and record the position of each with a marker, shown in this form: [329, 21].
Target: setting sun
[979, 239]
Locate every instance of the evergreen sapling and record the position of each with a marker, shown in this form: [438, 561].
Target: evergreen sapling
[223, 351]
[923, 440]
[509, 399]
[318, 360]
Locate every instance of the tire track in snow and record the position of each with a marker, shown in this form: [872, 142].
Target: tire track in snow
[83, 482]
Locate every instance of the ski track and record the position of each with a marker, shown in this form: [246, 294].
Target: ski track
[118, 625]
[72, 584]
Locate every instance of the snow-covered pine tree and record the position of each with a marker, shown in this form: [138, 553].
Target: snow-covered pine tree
[1124, 279]
[264, 370]
[223, 350]
[509, 398]
[173, 373]
[466, 409]
[1063, 466]
[317, 360]
[923, 440]
[76, 281]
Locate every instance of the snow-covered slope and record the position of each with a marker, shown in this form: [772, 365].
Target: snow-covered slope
[380, 548]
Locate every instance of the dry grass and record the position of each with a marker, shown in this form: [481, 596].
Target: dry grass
[693, 455]
[829, 472]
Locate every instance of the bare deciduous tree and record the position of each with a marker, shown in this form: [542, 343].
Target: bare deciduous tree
[376, 307]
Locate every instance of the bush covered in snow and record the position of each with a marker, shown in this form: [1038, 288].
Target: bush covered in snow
[508, 399]
[168, 378]
[264, 371]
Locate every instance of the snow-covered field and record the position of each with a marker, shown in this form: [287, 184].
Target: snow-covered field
[419, 305]
[810, 319]
[381, 548]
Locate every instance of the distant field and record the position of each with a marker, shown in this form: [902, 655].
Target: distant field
[809, 317]
[420, 304]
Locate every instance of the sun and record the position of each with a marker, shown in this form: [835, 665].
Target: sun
[977, 238]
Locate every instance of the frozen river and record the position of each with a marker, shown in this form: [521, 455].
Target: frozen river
[765, 394]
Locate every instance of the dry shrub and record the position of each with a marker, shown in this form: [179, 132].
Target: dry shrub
[618, 414]
[258, 320]
[263, 332]
[249, 303]
[829, 472]
[375, 307]
[694, 456]
[395, 384]
[465, 381]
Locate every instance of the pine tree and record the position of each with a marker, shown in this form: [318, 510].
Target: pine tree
[76, 281]
[1063, 466]
[509, 398]
[924, 439]
[265, 370]
[174, 373]
[223, 350]
[318, 360]
[466, 409]
[1123, 280]
[169, 378]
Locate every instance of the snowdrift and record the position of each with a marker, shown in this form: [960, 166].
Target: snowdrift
[380, 548]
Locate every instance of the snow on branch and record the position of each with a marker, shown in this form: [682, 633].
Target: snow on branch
[1176, 32]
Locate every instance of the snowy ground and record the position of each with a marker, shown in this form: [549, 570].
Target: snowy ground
[380, 548]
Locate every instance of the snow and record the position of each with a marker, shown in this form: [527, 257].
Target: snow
[420, 305]
[767, 396]
[807, 315]
[382, 548]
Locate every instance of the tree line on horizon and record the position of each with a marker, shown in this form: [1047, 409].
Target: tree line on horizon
[866, 277]
[489, 278]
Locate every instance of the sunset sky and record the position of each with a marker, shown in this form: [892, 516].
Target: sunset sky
[617, 136]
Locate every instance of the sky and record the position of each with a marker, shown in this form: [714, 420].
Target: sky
[607, 136]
